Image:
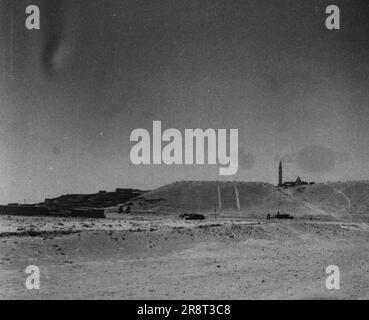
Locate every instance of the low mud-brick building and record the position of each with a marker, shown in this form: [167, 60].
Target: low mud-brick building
[23, 210]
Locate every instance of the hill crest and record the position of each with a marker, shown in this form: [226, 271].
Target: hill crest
[332, 200]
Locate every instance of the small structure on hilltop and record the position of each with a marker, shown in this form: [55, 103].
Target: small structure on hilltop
[287, 184]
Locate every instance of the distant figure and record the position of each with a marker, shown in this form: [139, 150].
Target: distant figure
[124, 209]
[127, 209]
[268, 216]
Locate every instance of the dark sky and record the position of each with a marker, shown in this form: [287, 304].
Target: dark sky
[72, 92]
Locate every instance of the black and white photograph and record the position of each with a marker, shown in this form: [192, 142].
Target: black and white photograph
[203, 150]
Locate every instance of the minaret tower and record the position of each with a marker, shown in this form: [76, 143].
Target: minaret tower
[280, 172]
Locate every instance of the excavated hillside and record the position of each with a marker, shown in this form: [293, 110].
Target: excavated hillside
[331, 200]
[344, 200]
[246, 199]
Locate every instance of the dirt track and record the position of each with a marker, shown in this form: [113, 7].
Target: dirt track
[172, 259]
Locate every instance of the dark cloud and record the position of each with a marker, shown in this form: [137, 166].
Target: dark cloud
[56, 150]
[246, 159]
[52, 20]
[315, 158]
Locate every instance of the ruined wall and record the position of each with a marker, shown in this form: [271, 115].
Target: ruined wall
[20, 210]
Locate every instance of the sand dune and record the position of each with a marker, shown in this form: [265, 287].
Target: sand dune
[339, 200]
[254, 199]
[345, 200]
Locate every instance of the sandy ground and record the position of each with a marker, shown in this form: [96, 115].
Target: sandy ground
[165, 258]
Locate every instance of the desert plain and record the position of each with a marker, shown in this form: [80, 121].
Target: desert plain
[232, 254]
[162, 258]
